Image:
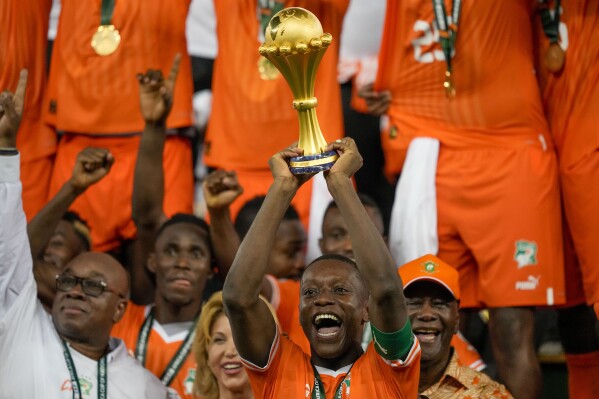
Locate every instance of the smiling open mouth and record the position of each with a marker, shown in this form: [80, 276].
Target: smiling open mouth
[327, 325]
[426, 335]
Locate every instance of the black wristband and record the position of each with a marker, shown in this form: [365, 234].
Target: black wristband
[9, 151]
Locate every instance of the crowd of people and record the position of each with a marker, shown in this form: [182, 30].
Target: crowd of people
[467, 172]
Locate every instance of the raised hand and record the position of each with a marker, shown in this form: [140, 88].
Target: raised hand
[11, 111]
[221, 188]
[279, 166]
[377, 101]
[91, 166]
[350, 160]
[156, 93]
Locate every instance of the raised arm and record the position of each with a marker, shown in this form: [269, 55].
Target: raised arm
[15, 256]
[91, 166]
[387, 307]
[156, 100]
[221, 189]
[251, 321]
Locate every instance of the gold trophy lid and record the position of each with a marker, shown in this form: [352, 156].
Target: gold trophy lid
[294, 30]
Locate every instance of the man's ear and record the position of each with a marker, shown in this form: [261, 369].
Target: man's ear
[365, 315]
[457, 319]
[120, 311]
[151, 263]
[386, 239]
[321, 244]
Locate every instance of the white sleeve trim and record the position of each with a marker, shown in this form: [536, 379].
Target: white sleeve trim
[412, 354]
[275, 297]
[273, 351]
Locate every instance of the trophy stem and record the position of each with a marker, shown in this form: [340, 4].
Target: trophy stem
[311, 139]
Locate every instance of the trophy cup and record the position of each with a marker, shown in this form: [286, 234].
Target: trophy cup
[295, 44]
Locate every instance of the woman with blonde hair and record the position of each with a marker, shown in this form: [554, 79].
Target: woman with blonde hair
[220, 374]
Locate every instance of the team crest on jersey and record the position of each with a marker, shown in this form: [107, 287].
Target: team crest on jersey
[526, 253]
[429, 266]
[189, 380]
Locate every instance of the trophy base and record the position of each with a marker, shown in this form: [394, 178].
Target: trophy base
[312, 163]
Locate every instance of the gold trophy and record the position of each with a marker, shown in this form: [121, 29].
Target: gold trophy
[295, 44]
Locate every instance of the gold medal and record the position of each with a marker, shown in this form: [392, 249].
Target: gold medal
[106, 40]
[267, 70]
[555, 58]
[448, 85]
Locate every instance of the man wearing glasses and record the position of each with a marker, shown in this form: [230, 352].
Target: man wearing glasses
[70, 354]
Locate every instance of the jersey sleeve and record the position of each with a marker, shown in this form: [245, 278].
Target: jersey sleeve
[15, 254]
[396, 348]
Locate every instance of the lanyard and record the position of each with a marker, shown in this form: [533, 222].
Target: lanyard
[107, 11]
[102, 374]
[550, 24]
[319, 392]
[447, 37]
[178, 359]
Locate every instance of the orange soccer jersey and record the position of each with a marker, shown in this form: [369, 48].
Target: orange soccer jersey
[497, 100]
[253, 118]
[289, 374]
[24, 31]
[94, 94]
[161, 347]
[571, 99]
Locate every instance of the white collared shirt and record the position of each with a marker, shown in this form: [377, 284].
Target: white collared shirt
[32, 364]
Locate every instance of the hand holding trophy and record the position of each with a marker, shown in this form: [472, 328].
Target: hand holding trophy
[295, 44]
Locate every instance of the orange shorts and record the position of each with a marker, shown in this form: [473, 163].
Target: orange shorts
[35, 177]
[580, 191]
[257, 182]
[499, 223]
[106, 206]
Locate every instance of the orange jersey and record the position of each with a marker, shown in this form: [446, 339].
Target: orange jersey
[497, 98]
[571, 97]
[252, 118]
[94, 94]
[161, 348]
[289, 374]
[24, 31]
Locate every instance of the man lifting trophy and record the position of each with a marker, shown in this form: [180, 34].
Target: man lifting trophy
[295, 44]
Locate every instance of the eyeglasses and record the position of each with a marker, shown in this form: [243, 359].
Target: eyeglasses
[89, 286]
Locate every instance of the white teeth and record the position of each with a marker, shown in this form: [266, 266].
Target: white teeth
[327, 335]
[426, 332]
[231, 366]
[327, 316]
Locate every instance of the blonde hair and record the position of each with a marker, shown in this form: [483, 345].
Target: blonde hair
[205, 384]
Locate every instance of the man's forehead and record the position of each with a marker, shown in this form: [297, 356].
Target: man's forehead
[328, 269]
[184, 231]
[426, 288]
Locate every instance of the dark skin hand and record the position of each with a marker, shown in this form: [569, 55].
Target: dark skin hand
[251, 321]
[11, 111]
[377, 101]
[221, 189]
[156, 100]
[91, 166]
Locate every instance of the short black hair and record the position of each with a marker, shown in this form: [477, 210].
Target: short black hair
[337, 257]
[366, 201]
[81, 228]
[248, 213]
[184, 218]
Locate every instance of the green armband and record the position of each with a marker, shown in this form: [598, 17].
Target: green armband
[395, 345]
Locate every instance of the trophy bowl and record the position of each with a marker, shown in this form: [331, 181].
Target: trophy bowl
[295, 44]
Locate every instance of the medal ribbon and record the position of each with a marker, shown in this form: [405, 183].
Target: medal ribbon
[178, 359]
[447, 32]
[102, 374]
[107, 11]
[319, 392]
[550, 24]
